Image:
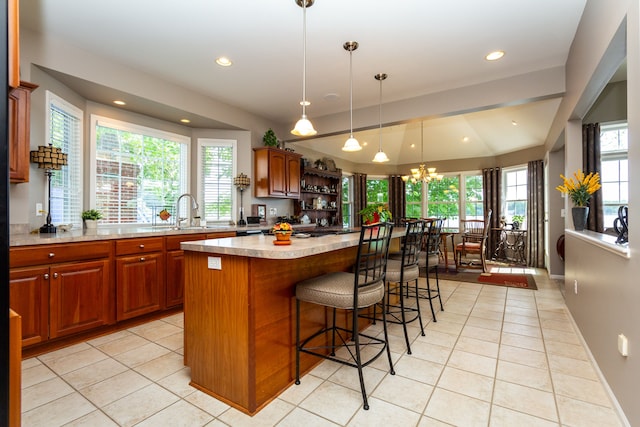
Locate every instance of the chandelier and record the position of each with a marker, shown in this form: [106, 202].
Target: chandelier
[422, 173]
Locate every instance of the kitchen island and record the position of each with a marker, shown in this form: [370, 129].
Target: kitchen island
[239, 311]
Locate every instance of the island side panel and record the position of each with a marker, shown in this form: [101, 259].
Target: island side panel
[273, 292]
[216, 317]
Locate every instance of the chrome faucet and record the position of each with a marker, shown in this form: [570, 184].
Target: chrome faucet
[190, 217]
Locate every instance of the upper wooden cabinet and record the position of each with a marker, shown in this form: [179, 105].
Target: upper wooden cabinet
[19, 122]
[276, 173]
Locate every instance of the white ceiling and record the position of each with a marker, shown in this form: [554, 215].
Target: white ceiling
[425, 47]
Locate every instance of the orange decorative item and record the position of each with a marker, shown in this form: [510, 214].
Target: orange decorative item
[282, 231]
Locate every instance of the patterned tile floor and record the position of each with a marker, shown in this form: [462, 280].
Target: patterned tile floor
[496, 357]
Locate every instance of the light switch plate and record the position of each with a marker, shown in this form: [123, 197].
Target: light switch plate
[623, 345]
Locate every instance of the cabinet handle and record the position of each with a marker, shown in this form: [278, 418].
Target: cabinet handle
[141, 246]
[46, 276]
[51, 254]
[55, 275]
[142, 259]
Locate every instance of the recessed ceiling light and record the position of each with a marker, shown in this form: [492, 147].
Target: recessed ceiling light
[413, 145]
[118, 102]
[223, 61]
[365, 143]
[465, 139]
[305, 103]
[494, 56]
[185, 120]
[331, 97]
[513, 122]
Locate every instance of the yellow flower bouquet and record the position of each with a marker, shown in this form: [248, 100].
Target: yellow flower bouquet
[282, 228]
[581, 188]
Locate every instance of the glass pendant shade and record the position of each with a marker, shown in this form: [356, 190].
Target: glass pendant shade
[304, 127]
[380, 156]
[351, 144]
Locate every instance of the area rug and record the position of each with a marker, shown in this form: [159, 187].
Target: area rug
[525, 281]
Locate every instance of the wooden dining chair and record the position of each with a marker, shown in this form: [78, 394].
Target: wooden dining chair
[474, 234]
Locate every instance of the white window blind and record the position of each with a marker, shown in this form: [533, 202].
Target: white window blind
[139, 171]
[216, 169]
[65, 132]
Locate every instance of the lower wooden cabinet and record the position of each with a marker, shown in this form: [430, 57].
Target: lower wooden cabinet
[29, 298]
[139, 280]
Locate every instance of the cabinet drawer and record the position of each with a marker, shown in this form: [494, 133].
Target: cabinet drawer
[138, 246]
[24, 256]
[173, 242]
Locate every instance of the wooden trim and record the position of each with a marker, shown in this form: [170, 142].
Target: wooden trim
[15, 368]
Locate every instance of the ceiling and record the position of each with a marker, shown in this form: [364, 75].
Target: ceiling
[425, 47]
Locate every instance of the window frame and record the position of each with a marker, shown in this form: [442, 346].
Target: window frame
[216, 142]
[122, 125]
[75, 163]
[504, 190]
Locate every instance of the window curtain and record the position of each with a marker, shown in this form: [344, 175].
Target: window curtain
[359, 197]
[535, 214]
[397, 199]
[492, 195]
[591, 163]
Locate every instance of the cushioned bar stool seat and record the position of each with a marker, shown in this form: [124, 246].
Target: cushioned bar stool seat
[351, 291]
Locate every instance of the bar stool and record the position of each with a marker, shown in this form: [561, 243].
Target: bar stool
[429, 259]
[350, 291]
[402, 272]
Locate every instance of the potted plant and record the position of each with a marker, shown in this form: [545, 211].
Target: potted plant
[91, 217]
[376, 212]
[270, 139]
[516, 221]
[580, 191]
[282, 231]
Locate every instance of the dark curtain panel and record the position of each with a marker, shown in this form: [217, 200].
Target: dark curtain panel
[397, 199]
[591, 163]
[359, 197]
[492, 194]
[535, 214]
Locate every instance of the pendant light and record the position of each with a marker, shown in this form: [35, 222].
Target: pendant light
[303, 126]
[351, 144]
[380, 157]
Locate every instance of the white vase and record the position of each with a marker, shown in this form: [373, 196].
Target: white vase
[91, 223]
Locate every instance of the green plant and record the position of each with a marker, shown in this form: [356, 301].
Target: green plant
[517, 219]
[376, 212]
[270, 139]
[92, 214]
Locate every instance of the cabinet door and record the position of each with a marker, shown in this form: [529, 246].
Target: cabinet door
[29, 297]
[80, 297]
[138, 285]
[175, 278]
[277, 173]
[293, 177]
[19, 123]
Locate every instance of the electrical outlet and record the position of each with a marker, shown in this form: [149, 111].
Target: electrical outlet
[575, 287]
[623, 345]
[273, 211]
[214, 263]
[38, 209]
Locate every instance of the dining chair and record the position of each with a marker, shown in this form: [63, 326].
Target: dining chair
[403, 272]
[474, 234]
[351, 292]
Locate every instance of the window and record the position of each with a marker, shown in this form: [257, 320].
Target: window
[138, 171]
[347, 200]
[614, 178]
[216, 170]
[473, 202]
[377, 190]
[444, 200]
[65, 132]
[515, 195]
[413, 194]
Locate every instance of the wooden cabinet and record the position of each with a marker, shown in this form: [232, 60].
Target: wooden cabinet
[139, 276]
[321, 196]
[276, 173]
[19, 123]
[61, 289]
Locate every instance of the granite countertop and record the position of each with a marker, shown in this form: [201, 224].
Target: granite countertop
[78, 235]
[261, 246]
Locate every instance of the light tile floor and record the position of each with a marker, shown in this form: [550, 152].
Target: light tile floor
[496, 357]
